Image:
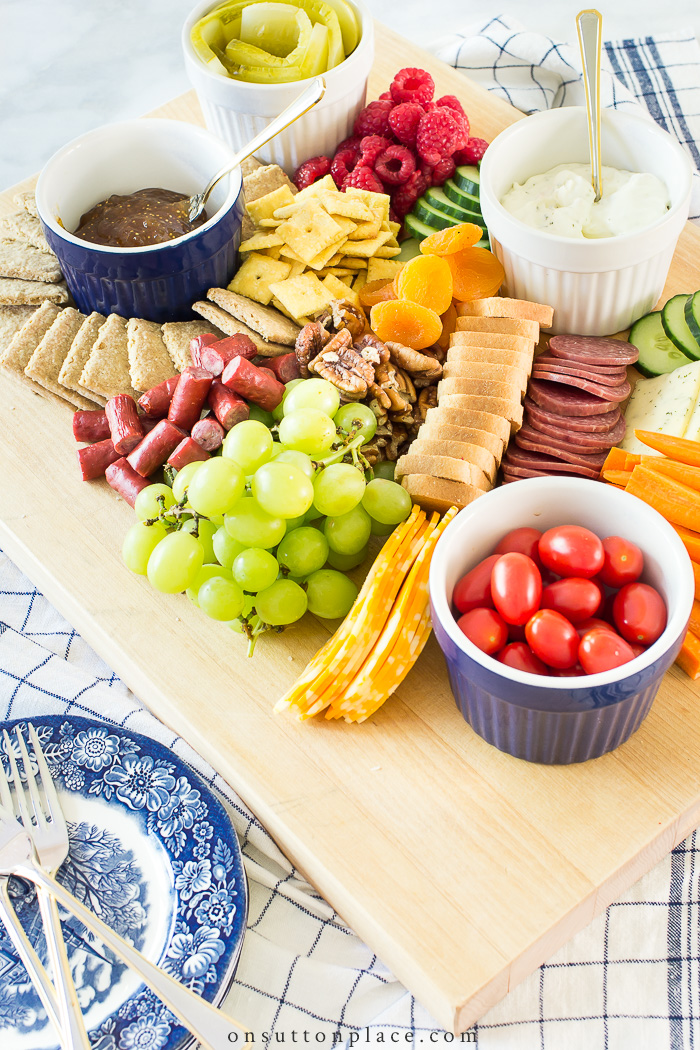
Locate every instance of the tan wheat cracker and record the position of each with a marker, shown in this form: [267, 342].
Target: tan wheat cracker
[25, 341]
[16, 292]
[177, 336]
[44, 365]
[149, 361]
[27, 201]
[22, 226]
[107, 369]
[229, 325]
[78, 355]
[27, 263]
[11, 320]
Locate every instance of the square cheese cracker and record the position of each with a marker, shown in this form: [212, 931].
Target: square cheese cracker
[254, 277]
[309, 230]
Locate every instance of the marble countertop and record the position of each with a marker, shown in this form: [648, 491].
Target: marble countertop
[69, 67]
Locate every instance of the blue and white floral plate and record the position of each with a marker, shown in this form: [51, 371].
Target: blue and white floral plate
[153, 850]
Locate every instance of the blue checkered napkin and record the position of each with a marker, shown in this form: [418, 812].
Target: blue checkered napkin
[658, 76]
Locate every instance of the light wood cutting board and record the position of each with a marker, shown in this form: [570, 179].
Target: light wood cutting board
[462, 868]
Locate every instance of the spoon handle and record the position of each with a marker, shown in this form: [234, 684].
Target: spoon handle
[589, 24]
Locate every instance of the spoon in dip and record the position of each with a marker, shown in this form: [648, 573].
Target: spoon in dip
[589, 24]
[301, 105]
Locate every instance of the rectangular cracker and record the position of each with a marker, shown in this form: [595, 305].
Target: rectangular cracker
[149, 361]
[25, 262]
[16, 292]
[11, 320]
[22, 226]
[45, 363]
[25, 341]
[107, 370]
[78, 355]
[262, 319]
[26, 201]
[230, 325]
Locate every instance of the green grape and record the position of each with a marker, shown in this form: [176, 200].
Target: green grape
[387, 501]
[249, 444]
[312, 393]
[221, 599]
[139, 543]
[255, 569]
[303, 551]
[205, 535]
[345, 562]
[216, 487]
[338, 488]
[384, 468]
[379, 529]
[330, 594]
[299, 459]
[252, 526]
[307, 430]
[226, 549]
[280, 604]
[282, 490]
[358, 418]
[216, 519]
[314, 517]
[183, 478]
[295, 523]
[248, 607]
[276, 449]
[175, 562]
[207, 572]
[147, 506]
[260, 415]
[348, 533]
[278, 412]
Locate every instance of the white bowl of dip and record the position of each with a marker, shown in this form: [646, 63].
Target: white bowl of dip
[600, 285]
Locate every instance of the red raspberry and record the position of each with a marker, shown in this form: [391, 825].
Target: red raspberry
[438, 135]
[472, 152]
[343, 163]
[363, 178]
[453, 103]
[374, 119]
[352, 143]
[385, 95]
[370, 148]
[395, 165]
[404, 120]
[407, 195]
[310, 171]
[443, 170]
[412, 85]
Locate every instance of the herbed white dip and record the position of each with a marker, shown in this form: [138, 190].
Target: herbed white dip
[561, 201]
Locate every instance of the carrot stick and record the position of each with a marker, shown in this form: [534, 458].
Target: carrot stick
[691, 542]
[677, 503]
[673, 469]
[696, 574]
[617, 477]
[682, 449]
[615, 460]
[620, 488]
[694, 621]
[631, 460]
[688, 658]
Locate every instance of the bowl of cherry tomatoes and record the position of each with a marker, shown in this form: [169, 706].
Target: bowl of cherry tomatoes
[559, 603]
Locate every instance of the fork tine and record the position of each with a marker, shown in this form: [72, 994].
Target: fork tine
[5, 796]
[32, 789]
[21, 802]
[55, 812]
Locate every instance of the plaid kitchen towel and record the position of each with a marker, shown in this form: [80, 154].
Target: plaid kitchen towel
[658, 76]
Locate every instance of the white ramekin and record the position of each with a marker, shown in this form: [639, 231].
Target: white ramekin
[236, 110]
[597, 287]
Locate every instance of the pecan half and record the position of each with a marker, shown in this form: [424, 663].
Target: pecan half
[309, 343]
[372, 348]
[398, 438]
[426, 399]
[342, 366]
[345, 314]
[414, 361]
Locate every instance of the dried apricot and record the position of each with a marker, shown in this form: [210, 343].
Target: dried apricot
[405, 322]
[476, 274]
[449, 325]
[376, 292]
[453, 239]
[426, 280]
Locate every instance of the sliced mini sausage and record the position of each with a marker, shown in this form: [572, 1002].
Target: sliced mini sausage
[90, 425]
[156, 401]
[125, 480]
[189, 397]
[125, 426]
[93, 460]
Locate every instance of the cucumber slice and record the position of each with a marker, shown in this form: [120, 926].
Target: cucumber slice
[657, 354]
[439, 199]
[426, 213]
[467, 178]
[461, 197]
[692, 315]
[676, 327]
[410, 248]
[417, 228]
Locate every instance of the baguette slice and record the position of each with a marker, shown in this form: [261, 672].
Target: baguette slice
[481, 387]
[438, 494]
[525, 329]
[476, 454]
[496, 340]
[466, 417]
[442, 467]
[511, 409]
[490, 355]
[499, 306]
[466, 435]
[507, 375]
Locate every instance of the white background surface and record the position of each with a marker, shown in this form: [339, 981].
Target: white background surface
[70, 66]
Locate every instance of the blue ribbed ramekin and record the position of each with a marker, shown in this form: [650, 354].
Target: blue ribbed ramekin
[158, 282]
[557, 720]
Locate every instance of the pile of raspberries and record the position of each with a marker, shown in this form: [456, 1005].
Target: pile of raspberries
[401, 144]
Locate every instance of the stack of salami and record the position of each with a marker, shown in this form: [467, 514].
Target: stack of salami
[572, 416]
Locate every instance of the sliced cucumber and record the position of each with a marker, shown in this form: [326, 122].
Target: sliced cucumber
[467, 178]
[417, 228]
[439, 199]
[692, 314]
[462, 197]
[676, 327]
[409, 249]
[426, 213]
[657, 354]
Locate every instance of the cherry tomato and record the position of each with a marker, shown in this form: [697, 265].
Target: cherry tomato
[636, 648]
[567, 672]
[485, 628]
[571, 550]
[639, 612]
[521, 657]
[590, 623]
[601, 650]
[573, 597]
[473, 591]
[516, 587]
[623, 562]
[523, 541]
[553, 638]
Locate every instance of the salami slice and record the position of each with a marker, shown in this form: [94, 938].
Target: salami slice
[518, 461]
[585, 424]
[611, 377]
[593, 460]
[593, 440]
[564, 401]
[592, 350]
[608, 393]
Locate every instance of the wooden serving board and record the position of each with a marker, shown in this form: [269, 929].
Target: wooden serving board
[462, 868]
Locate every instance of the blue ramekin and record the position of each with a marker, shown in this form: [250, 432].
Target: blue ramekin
[158, 282]
[557, 720]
